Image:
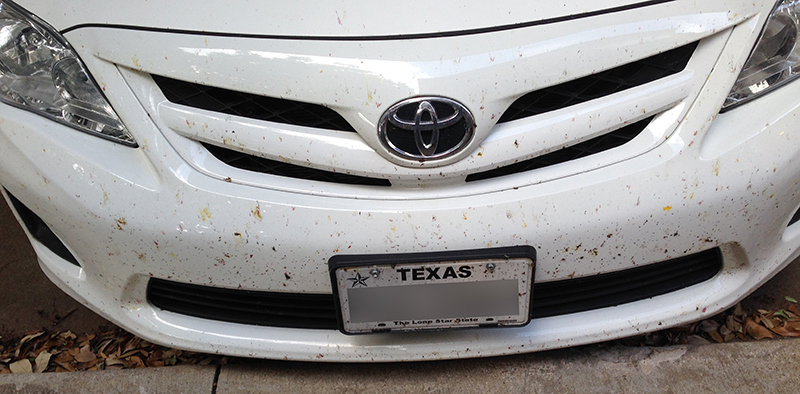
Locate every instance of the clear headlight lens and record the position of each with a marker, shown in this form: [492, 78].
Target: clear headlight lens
[41, 73]
[775, 60]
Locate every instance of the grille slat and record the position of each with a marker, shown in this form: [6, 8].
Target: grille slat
[587, 148]
[600, 84]
[266, 166]
[317, 311]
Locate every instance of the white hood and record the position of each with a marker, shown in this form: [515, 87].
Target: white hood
[343, 18]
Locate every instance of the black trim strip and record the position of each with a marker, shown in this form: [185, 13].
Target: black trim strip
[390, 37]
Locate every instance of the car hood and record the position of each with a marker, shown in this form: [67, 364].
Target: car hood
[349, 18]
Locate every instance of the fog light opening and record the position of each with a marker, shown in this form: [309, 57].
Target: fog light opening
[40, 231]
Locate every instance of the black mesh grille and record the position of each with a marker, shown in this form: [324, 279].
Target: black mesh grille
[595, 145]
[549, 299]
[600, 84]
[615, 288]
[251, 105]
[244, 306]
[254, 163]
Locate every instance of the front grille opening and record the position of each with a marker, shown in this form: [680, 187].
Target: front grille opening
[266, 166]
[251, 105]
[587, 148]
[244, 306]
[616, 288]
[40, 231]
[318, 311]
[601, 84]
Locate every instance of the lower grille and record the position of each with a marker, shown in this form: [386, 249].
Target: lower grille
[621, 287]
[244, 306]
[318, 311]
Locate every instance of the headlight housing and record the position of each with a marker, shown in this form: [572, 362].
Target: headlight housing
[41, 73]
[775, 59]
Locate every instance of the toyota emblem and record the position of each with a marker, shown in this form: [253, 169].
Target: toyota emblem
[426, 128]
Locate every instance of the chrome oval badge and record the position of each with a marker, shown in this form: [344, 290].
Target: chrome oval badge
[426, 128]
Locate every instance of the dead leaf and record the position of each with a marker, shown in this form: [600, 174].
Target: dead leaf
[732, 324]
[21, 366]
[67, 335]
[103, 345]
[83, 341]
[133, 343]
[30, 336]
[738, 311]
[770, 322]
[138, 363]
[708, 326]
[786, 332]
[716, 337]
[25, 339]
[85, 355]
[170, 357]
[42, 360]
[757, 331]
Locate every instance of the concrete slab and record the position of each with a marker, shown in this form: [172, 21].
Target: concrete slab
[174, 380]
[749, 367]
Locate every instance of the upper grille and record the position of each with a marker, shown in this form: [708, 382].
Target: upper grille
[251, 105]
[587, 148]
[601, 84]
[552, 98]
[312, 115]
[549, 299]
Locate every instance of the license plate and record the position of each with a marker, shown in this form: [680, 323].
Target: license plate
[433, 291]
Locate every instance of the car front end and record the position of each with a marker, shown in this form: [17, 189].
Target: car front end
[198, 172]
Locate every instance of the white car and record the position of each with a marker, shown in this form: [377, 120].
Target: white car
[363, 181]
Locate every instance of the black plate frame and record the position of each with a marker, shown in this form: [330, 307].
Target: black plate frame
[361, 260]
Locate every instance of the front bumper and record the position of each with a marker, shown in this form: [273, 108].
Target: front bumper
[127, 215]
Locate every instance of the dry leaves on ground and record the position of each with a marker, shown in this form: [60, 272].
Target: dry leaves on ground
[733, 324]
[116, 349]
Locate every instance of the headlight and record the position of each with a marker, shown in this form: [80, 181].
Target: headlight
[41, 73]
[775, 60]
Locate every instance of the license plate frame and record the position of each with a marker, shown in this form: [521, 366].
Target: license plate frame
[410, 289]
